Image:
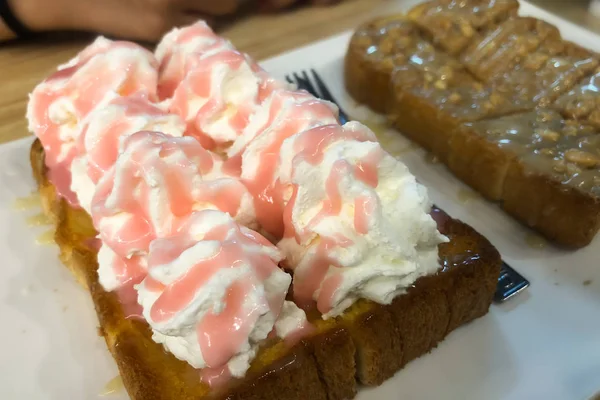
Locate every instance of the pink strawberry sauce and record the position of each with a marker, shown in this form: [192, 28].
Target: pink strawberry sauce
[83, 84]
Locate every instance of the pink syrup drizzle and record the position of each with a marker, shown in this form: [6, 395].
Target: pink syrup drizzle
[310, 147]
[86, 81]
[172, 68]
[200, 84]
[103, 149]
[289, 114]
[220, 335]
[146, 152]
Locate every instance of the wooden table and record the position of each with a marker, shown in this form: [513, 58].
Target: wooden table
[23, 65]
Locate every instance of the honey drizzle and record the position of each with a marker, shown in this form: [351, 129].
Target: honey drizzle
[39, 220]
[46, 237]
[535, 241]
[114, 386]
[466, 195]
[28, 202]
[376, 125]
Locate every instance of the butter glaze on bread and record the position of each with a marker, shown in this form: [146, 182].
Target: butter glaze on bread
[369, 343]
[505, 71]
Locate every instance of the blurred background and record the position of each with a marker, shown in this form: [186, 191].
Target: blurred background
[584, 13]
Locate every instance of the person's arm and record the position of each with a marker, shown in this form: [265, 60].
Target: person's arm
[130, 19]
[5, 33]
[33, 16]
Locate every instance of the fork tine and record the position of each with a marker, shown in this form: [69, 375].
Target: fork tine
[305, 84]
[326, 95]
[305, 76]
[288, 79]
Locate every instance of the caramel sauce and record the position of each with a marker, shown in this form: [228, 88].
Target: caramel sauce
[46, 237]
[38, 220]
[112, 387]
[29, 202]
[566, 151]
[535, 241]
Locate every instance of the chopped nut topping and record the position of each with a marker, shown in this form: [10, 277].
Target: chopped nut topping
[573, 169]
[570, 130]
[387, 64]
[454, 98]
[547, 134]
[478, 86]
[496, 99]
[446, 72]
[441, 85]
[594, 117]
[466, 29]
[386, 46]
[545, 116]
[403, 42]
[548, 152]
[535, 61]
[560, 166]
[582, 158]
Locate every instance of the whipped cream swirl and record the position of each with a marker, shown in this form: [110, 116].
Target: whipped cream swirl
[219, 92]
[214, 292]
[176, 49]
[58, 105]
[357, 222]
[255, 154]
[102, 136]
[155, 184]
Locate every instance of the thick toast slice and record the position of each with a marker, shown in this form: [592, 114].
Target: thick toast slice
[369, 343]
[442, 101]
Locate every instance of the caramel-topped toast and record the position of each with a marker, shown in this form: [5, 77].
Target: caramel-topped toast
[483, 106]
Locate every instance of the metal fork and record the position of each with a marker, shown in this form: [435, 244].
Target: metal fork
[318, 89]
[510, 282]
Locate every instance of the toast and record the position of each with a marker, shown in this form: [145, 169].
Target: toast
[452, 25]
[368, 343]
[459, 103]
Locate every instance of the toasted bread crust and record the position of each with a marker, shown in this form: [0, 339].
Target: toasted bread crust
[567, 215]
[370, 342]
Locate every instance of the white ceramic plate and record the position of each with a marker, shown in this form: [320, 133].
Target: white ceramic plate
[544, 344]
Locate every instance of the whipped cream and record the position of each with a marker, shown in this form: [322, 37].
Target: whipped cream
[102, 135]
[58, 105]
[218, 94]
[115, 272]
[357, 222]
[255, 154]
[177, 48]
[214, 292]
[155, 184]
[175, 218]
